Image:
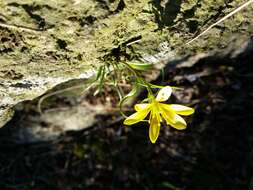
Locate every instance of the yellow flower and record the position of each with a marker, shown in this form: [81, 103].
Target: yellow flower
[158, 110]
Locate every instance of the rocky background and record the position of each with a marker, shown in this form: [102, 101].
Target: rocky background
[78, 141]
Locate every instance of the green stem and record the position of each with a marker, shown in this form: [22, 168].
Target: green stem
[137, 75]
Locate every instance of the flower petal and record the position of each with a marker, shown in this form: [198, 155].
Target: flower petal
[139, 107]
[182, 110]
[168, 117]
[167, 113]
[137, 117]
[164, 94]
[154, 128]
[171, 117]
[179, 123]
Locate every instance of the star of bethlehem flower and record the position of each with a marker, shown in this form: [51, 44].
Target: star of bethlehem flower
[159, 111]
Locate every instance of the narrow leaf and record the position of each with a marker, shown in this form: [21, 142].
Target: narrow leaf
[131, 94]
[141, 66]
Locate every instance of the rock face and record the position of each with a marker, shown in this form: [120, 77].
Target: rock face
[52, 124]
[46, 43]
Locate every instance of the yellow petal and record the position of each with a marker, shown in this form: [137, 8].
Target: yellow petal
[154, 128]
[164, 94]
[167, 113]
[137, 117]
[182, 110]
[168, 117]
[171, 117]
[139, 107]
[179, 122]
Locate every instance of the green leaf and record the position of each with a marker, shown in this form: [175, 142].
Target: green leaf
[131, 94]
[155, 86]
[173, 87]
[99, 73]
[170, 186]
[141, 66]
[100, 78]
[145, 100]
[162, 74]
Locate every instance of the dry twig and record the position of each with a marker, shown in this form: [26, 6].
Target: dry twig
[221, 20]
[20, 28]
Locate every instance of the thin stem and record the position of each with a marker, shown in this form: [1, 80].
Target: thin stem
[221, 20]
[41, 100]
[137, 75]
[20, 28]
